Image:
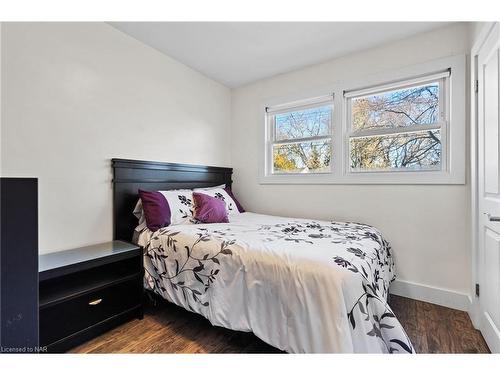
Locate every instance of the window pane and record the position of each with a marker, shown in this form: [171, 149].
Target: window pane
[304, 123]
[305, 157]
[416, 105]
[407, 151]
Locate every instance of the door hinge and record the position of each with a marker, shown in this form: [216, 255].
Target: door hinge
[477, 290]
[476, 86]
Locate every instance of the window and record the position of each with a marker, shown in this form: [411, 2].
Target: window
[398, 127]
[405, 126]
[301, 136]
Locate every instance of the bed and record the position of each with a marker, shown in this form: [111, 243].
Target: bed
[303, 286]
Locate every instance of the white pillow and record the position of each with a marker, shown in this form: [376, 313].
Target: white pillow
[211, 187]
[181, 207]
[139, 214]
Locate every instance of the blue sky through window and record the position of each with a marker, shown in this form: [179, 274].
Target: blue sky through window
[309, 122]
[416, 105]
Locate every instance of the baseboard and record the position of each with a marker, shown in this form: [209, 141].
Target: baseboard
[431, 294]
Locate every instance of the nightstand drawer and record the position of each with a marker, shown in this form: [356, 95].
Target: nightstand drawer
[76, 314]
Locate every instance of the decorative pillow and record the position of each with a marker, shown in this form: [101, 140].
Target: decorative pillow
[181, 206]
[156, 209]
[224, 195]
[208, 209]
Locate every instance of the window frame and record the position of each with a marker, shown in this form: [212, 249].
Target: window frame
[272, 111]
[454, 144]
[443, 80]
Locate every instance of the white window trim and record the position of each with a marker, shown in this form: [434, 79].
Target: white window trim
[454, 158]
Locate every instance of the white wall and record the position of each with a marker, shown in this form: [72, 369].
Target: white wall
[427, 225]
[74, 96]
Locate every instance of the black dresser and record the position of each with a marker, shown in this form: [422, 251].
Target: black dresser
[19, 265]
[86, 291]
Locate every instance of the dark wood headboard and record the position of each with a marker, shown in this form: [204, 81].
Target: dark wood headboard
[131, 175]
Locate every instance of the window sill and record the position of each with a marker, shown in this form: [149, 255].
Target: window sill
[369, 178]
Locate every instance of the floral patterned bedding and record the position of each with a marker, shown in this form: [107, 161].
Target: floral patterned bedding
[300, 285]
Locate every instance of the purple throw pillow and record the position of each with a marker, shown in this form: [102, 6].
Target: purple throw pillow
[156, 209]
[209, 209]
[238, 205]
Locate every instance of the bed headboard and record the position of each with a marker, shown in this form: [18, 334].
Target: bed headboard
[131, 175]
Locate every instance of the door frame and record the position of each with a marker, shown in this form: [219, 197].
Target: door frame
[475, 307]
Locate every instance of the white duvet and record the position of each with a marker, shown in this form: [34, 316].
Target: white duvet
[303, 286]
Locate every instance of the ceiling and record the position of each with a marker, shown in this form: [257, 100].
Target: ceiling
[237, 53]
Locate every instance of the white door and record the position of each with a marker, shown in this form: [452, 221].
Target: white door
[489, 188]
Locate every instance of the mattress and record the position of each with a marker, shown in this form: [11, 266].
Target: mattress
[303, 286]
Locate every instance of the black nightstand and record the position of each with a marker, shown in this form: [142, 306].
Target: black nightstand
[86, 291]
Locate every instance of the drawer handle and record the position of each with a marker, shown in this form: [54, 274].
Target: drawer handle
[95, 302]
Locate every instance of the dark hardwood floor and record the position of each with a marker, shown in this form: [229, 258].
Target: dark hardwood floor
[437, 329]
[171, 329]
